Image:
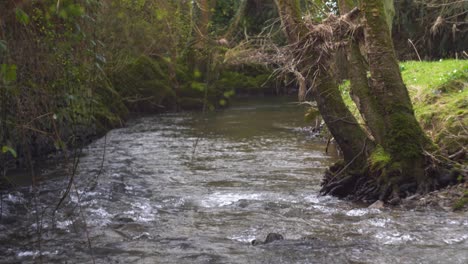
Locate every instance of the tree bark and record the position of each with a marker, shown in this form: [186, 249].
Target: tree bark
[360, 90]
[347, 132]
[349, 135]
[382, 99]
[401, 135]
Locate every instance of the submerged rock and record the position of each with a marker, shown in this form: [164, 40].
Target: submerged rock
[271, 237]
[123, 219]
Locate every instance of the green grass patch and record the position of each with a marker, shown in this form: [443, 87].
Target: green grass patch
[431, 74]
[440, 99]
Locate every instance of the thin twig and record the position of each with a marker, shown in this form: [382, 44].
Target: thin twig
[414, 47]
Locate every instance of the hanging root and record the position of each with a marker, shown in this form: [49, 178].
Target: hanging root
[346, 184]
[362, 186]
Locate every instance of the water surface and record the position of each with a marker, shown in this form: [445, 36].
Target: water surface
[198, 188]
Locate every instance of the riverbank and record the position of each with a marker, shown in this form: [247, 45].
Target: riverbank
[59, 122]
[70, 72]
[451, 198]
[439, 92]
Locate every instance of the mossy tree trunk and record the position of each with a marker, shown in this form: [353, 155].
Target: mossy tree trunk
[396, 166]
[360, 90]
[349, 135]
[401, 135]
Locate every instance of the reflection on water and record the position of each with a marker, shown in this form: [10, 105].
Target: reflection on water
[256, 169]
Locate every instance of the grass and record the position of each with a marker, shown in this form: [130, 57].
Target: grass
[428, 74]
[440, 99]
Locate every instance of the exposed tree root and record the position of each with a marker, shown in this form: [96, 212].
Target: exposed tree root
[349, 185]
[391, 187]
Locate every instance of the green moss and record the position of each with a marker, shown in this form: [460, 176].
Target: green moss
[404, 140]
[379, 159]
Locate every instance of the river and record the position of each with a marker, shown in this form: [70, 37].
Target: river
[198, 188]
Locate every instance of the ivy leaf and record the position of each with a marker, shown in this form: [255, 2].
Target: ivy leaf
[9, 149]
[22, 17]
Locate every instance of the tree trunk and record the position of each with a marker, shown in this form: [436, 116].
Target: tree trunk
[349, 135]
[401, 135]
[341, 65]
[347, 132]
[396, 166]
[360, 90]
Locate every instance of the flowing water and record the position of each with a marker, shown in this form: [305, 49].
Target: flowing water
[198, 188]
